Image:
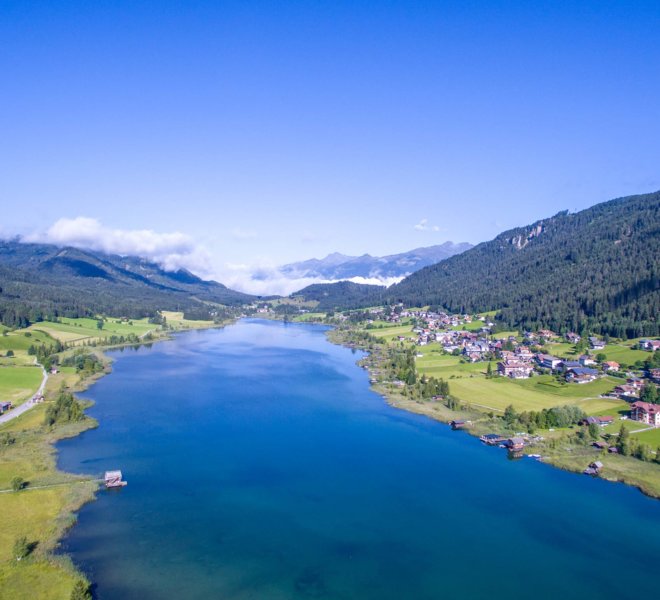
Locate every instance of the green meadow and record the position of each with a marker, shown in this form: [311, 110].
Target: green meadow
[19, 383]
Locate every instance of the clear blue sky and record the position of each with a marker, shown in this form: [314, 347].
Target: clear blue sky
[285, 130]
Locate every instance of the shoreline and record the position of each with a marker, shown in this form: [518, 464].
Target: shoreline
[75, 490]
[437, 411]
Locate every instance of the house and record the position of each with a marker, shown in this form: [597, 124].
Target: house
[515, 444]
[586, 360]
[572, 337]
[113, 479]
[651, 345]
[596, 344]
[611, 365]
[645, 412]
[599, 445]
[548, 362]
[654, 374]
[581, 375]
[570, 364]
[626, 392]
[523, 353]
[514, 369]
[594, 468]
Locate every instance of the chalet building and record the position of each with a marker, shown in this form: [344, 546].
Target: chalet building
[515, 444]
[523, 353]
[581, 375]
[596, 343]
[514, 369]
[626, 392]
[548, 362]
[644, 412]
[654, 374]
[651, 345]
[611, 366]
[572, 337]
[566, 365]
[586, 360]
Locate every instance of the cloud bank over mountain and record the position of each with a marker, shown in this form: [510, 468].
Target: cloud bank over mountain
[176, 250]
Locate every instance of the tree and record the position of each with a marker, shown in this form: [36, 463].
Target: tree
[594, 431]
[649, 393]
[81, 591]
[623, 443]
[489, 370]
[17, 484]
[600, 357]
[21, 548]
[99, 324]
[10, 353]
[510, 415]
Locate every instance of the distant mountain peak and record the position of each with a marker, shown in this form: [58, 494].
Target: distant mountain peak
[337, 266]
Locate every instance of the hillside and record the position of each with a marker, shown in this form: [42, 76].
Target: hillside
[598, 269]
[340, 266]
[342, 295]
[40, 280]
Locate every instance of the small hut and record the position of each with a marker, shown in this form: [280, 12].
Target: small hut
[113, 479]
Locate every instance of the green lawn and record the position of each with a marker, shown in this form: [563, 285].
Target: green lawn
[651, 437]
[624, 354]
[75, 330]
[391, 333]
[17, 340]
[19, 383]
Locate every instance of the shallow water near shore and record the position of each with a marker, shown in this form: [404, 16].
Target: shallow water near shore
[261, 465]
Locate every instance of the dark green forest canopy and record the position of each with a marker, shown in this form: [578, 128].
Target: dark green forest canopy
[596, 270]
[40, 281]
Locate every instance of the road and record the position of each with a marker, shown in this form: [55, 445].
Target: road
[28, 404]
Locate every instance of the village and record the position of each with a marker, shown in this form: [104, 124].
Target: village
[473, 338]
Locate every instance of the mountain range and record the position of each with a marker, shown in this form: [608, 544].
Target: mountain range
[41, 280]
[338, 266]
[595, 270]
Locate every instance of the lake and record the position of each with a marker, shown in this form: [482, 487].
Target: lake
[262, 466]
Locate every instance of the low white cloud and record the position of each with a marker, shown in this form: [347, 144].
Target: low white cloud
[265, 279]
[424, 225]
[170, 250]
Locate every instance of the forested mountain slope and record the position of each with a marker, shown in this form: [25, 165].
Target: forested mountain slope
[40, 280]
[597, 270]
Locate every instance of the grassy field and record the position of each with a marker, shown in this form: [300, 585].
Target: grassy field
[176, 320]
[391, 333]
[79, 330]
[624, 354]
[468, 383]
[651, 437]
[19, 383]
[41, 515]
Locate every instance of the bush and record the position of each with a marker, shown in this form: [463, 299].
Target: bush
[17, 484]
[81, 591]
[22, 548]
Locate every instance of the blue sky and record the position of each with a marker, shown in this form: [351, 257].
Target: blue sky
[266, 132]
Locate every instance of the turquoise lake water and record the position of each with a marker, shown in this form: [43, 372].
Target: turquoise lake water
[261, 466]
